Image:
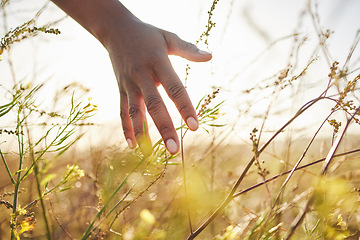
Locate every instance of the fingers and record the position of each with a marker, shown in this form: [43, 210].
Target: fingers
[126, 121]
[157, 110]
[134, 122]
[133, 116]
[178, 94]
[139, 91]
[189, 51]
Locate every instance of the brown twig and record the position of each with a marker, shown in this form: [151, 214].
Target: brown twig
[327, 162]
[247, 167]
[290, 171]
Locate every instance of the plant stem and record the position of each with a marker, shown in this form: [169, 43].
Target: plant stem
[90, 227]
[37, 181]
[7, 168]
[17, 184]
[43, 208]
[184, 176]
[247, 168]
[290, 171]
[327, 162]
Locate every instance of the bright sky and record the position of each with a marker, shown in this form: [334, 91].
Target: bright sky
[244, 29]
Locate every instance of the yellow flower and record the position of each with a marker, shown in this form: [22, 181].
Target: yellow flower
[147, 217]
[21, 211]
[27, 224]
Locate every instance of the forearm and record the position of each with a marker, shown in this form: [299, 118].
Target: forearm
[99, 17]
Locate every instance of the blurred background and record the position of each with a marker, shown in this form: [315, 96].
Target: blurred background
[270, 58]
[253, 41]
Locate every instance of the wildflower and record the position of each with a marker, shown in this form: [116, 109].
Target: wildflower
[207, 101]
[89, 107]
[74, 171]
[27, 224]
[147, 217]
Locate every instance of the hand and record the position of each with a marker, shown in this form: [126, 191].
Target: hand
[139, 55]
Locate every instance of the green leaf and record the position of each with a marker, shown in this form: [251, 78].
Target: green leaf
[217, 125]
[28, 172]
[65, 188]
[47, 179]
[19, 171]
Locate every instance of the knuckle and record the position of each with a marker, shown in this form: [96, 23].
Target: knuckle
[138, 133]
[188, 46]
[154, 59]
[132, 71]
[165, 129]
[170, 38]
[175, 44]
[171, 35]
[176, 91]
[184, 109]
[153, 103]
[134, 111]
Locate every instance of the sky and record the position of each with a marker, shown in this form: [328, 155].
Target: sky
[240, 44]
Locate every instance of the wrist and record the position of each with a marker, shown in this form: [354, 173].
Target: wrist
[116, 19]
[99, 17]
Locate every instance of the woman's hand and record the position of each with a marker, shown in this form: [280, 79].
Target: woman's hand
[139, 55]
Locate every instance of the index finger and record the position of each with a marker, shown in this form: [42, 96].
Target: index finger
[177, 93]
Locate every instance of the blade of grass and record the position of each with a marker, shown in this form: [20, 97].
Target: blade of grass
[7, 168]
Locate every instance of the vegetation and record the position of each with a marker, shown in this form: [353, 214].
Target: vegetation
[268, 188]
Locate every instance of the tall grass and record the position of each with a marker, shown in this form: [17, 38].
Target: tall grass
[265, 189]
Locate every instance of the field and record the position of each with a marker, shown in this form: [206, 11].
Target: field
[293, 175]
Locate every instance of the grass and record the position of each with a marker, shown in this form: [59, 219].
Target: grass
[266, 188]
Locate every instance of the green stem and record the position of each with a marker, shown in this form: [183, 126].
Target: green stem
[7, 168]
[37, 181]
[89, 228]
[43, 208]
[18, 181]
[58, 135]
[184, 176]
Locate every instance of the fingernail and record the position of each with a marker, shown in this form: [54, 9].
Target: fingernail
[192, 123]
[172, 146]
[130, 143]
[204, 52]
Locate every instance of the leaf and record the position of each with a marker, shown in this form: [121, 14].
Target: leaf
[198, 105]
[65, 188]
[217, 125]
[28, 172]
[173, 163]
[19, 171]
[47, 179]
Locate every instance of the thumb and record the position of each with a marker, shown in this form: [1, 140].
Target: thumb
[181, 48]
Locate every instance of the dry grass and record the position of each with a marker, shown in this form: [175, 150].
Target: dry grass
[267, 188]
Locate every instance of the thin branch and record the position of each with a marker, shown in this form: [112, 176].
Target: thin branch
[7, 168]
[184, 176]
[290, 171]
[327, 162]
[247, 167]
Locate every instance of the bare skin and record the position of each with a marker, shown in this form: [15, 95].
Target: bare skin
[139, 55]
